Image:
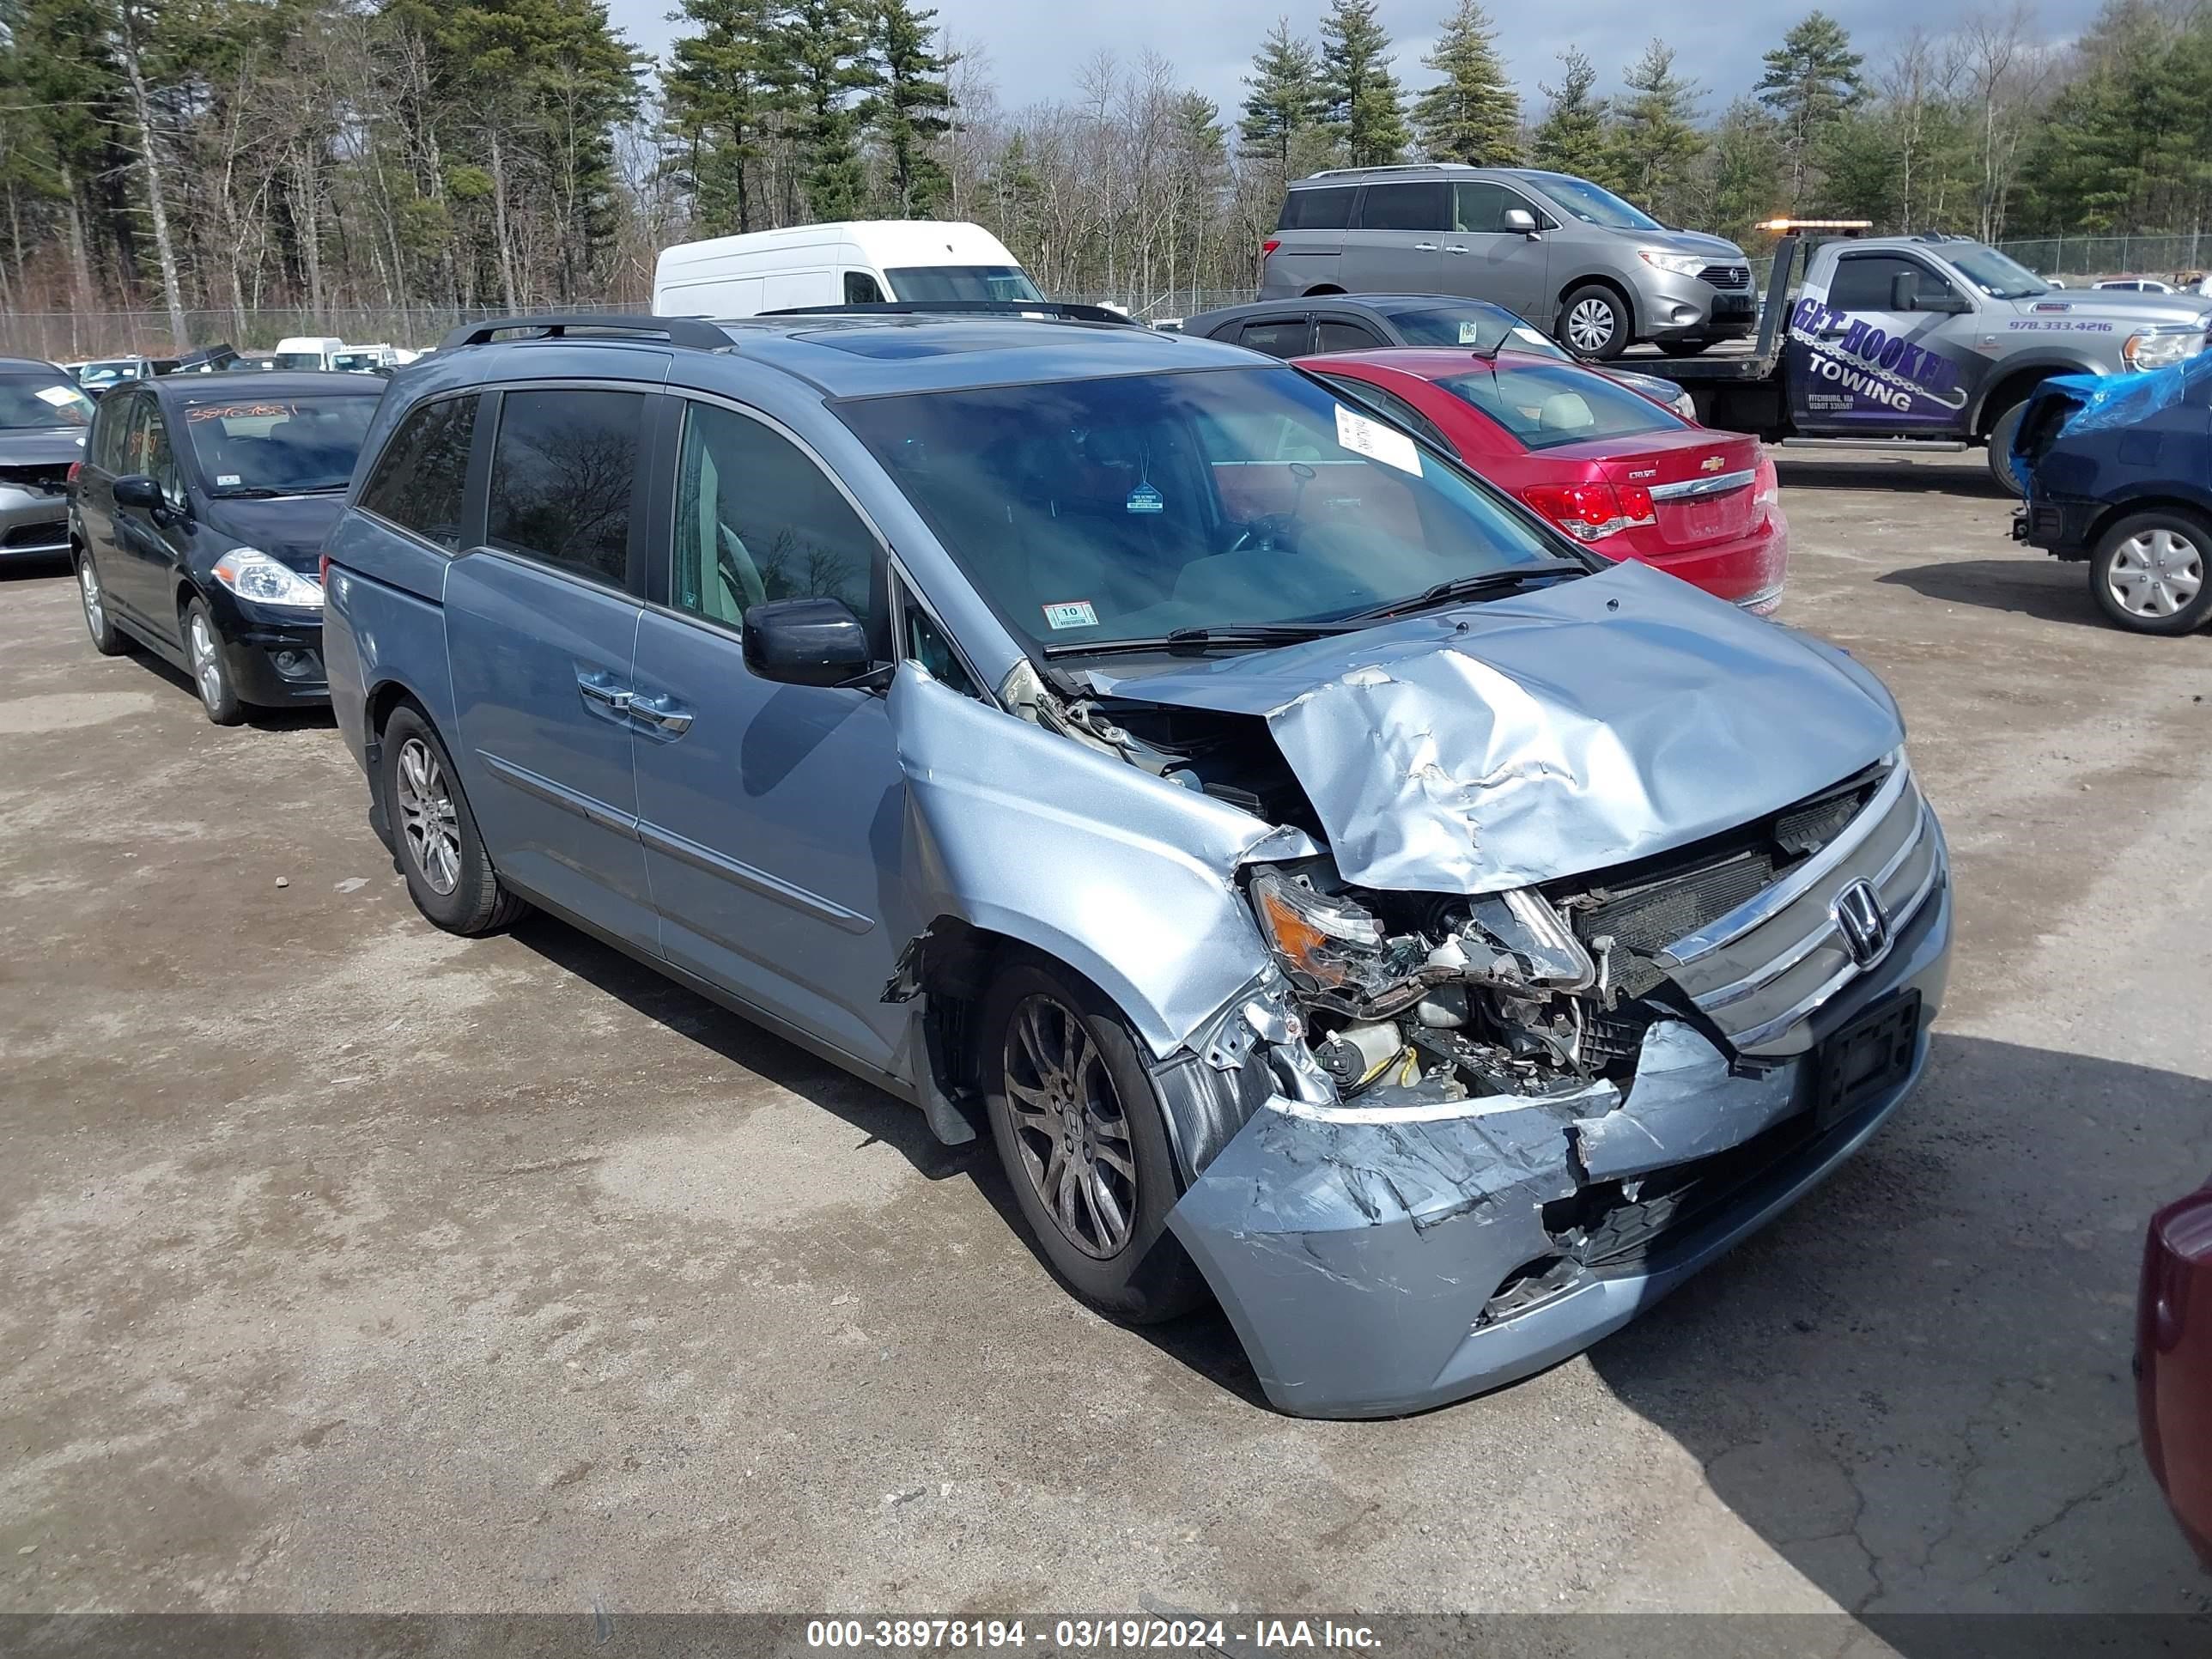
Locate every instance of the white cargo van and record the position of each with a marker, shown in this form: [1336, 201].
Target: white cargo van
[307, 351]
[858, 261]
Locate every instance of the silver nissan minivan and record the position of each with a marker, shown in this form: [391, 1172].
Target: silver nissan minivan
[1569, 256]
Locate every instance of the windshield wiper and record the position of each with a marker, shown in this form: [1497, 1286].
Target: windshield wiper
[1195, 642]
[1474, 587]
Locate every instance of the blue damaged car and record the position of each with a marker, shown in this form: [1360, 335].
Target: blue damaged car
[1334, 891]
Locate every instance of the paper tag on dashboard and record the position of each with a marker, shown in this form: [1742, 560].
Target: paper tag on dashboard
[1072, 613]
[1376, 442]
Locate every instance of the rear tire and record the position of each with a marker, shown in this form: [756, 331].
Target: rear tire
[99, 622]
[449, 873]
[2149, 561]
[2003, 430]
[1080, 1130]
[1595, 323]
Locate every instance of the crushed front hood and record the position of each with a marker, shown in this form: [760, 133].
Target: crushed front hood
[1587, 725]
[42, 446]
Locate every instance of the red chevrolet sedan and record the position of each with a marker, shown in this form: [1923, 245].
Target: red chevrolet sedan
[2173, 1361]
[1621, 474]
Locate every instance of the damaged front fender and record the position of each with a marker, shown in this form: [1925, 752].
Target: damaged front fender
[1126, 879]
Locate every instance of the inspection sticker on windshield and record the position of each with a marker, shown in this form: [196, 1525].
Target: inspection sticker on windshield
[1072, 613]
[1376, 442]
[1145, 499]
[224, 480]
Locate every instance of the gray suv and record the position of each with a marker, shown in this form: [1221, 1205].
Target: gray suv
[1569, 255]
[1331, 890]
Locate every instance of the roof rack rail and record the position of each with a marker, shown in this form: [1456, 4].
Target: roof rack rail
[695, 331]
[1065, 311]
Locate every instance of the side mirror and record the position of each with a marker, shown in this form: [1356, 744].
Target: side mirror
[806, 642]
[1521, 219]
[139, 491]
[1904, 291]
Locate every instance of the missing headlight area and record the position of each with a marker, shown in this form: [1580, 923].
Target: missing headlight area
[1418, 999]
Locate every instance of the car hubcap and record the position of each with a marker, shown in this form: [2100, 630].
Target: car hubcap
[95, 617]
[427, 820]
[1069, 1127]
[206, 664]
[1589, 324]
[2156, 573]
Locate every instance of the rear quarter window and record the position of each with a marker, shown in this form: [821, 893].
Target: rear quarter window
[419, 482]
[1328, 208]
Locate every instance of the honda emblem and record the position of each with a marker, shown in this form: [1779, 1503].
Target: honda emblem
[1862, 922]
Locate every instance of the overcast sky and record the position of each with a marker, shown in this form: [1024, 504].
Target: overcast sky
[1034, 49]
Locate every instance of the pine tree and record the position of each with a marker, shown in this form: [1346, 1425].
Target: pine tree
[723, 88]
[1571, 137]
[1364, 105]
[1473, 115]
[1747, 166]
[825, 61]
[1286, 99]
[911, 106]
[1656, 138]
[1812, 81]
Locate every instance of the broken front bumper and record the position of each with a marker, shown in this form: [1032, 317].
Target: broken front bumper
[1384, 1261]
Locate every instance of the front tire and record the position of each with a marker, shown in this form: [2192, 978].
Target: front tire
[1683, 348]
[211, 667]
[1595, 323]
[2003, 467]
[2150, 572]
[449, 874]
[99, 622]
[1078, 1128]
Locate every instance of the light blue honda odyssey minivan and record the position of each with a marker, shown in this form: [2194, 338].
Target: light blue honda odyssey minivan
[1313, 872]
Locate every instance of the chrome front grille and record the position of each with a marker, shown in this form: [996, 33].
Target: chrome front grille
[1729, 276]
[1759, 970]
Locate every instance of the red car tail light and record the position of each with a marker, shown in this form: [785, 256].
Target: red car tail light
[1270, 246]
[76, 467]
[323, 569]
[1766, 487]
[1591, 511]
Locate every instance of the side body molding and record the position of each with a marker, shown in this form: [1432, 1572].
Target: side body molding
[1125, 879]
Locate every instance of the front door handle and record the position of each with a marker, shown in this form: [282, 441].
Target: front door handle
[602, 689]
[659, 711]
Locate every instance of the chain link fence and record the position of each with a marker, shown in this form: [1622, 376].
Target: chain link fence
[2165, 256]
[76, 336]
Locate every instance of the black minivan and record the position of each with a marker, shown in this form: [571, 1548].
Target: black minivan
[196, 523]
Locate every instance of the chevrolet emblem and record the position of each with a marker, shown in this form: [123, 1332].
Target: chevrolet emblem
[1713, 464]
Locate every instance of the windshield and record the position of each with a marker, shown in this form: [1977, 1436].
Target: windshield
[926, 282]
[1995, 275]
[284, 446]
[1481, 327]
[1092, 511]
[1593, 205]
[1546, 404]
[40, 400]
[106, 374]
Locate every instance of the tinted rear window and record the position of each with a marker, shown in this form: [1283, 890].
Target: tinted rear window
[1546, 404]
[1404, 207]
[418, 480]
[1328, 208]
[561, 474]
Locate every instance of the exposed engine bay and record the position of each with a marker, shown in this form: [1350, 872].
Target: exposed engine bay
[1411, 998]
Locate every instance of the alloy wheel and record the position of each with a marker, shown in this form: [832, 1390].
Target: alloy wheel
[1070, 1127]
[95, 608]
[427, 819]
[206, 660]
[1590, 325]
[2155, 573]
